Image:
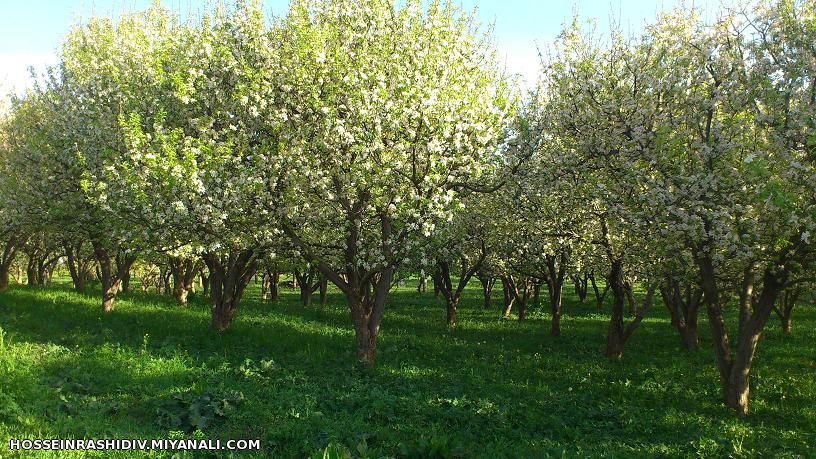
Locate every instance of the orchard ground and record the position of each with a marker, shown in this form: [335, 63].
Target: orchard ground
[490, 387]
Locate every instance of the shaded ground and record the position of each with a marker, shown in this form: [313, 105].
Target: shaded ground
[488, 388]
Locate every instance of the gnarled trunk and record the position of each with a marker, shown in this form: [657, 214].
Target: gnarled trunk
[324, 290]
[784, 309]
[556, 275]
[735, 369]
[617, 335]
[580, 282]
[183, 271]
[111, 276]
[600, 297]
[487, 282]
[229, 276]
[683, 305]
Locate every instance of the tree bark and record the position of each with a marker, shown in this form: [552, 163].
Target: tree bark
[229, 276]
[184, 271]
[110, 275]
[556, 275]
[509, 299]
[6, 259]
[784, 309]
[308, 285]
[683, 307]
[76, 269]
[324, 290]
[442, 278]
[487, 289]
[614, 334]
[599, 297]
[735, 369]
[580, 281]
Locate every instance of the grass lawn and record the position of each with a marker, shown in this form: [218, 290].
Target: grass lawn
[488, 388]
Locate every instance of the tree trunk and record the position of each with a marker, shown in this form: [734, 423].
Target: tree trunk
[509, 299]
[110, 276]
[423, 282]
[683, 308]
[716, 319]
[324, 291]
[274, 280]
[614, 335]
[6, 259]
[74, 265]
[580, 282]
[183, 272]
[599, 297]
[487, 289]
[229, 276]
[556, 276]
[784, 310]
[451, 304]
[205, 283]
[630, 296]
[555, 308]
[4, 278]
[266, 280]
[31, 271]
[746, 296]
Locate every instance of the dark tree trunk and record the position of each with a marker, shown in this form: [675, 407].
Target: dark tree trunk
[556, 275]
[617, 334]
[110, 275]
[229, 276]
[307, 284]
[6, 259]
[74, 268]
[599, 296]
[614, 334]
[683, 305]
[784, 309]
[518, 291]
[436, 285]
[324, 290]
[184, 271]
[581, 287]
[487, 282]
[4, 279]
[125, 282]
[31, 270]
[630, 296]
[205, 283]
[735, 369]
[536, 291]
[452, 294]
[274, 280]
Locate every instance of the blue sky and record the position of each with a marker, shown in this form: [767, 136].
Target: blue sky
[31, 30]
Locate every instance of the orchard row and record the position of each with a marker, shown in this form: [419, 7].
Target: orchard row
[356, 142]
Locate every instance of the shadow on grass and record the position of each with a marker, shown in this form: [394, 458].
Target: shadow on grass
[494, 388]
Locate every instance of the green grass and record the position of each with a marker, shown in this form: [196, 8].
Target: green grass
[488, 388]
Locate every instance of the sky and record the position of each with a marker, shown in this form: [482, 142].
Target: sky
[31, 30]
